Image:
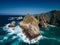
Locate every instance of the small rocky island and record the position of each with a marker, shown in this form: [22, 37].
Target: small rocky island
[30, 26]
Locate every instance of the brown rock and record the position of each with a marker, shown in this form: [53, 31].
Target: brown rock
[30, 26]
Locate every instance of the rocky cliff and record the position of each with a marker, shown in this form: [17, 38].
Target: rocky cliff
[52, 17]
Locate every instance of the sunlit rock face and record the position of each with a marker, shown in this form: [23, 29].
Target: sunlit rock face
[30, 19]
[30, 28]
[30, 31]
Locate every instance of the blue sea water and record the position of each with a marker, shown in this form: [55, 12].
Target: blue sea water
[51, 36]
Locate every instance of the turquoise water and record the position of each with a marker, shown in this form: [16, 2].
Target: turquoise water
[51, 36]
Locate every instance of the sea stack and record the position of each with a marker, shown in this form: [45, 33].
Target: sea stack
[30, 26]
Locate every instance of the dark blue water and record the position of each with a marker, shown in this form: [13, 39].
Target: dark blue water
[4, 19]
[51, 36]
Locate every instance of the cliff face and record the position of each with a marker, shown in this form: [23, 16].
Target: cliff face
[52, 17]
[42, 20]
[55, 18]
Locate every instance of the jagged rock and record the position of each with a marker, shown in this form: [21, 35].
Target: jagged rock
[30, 26]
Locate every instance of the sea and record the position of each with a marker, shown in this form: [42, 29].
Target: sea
[50, 36]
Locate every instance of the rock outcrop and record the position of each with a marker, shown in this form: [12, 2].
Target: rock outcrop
[52, 17]
[30, 26]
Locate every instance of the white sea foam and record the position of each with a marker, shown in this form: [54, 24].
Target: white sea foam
[52, 25]
[8, 29]
[24, 38]
[13, 37]
[18, 30]
[6, 38]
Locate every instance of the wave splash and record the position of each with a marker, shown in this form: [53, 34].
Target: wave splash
[18, 31]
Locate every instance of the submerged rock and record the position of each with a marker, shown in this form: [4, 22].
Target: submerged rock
[12, 24]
